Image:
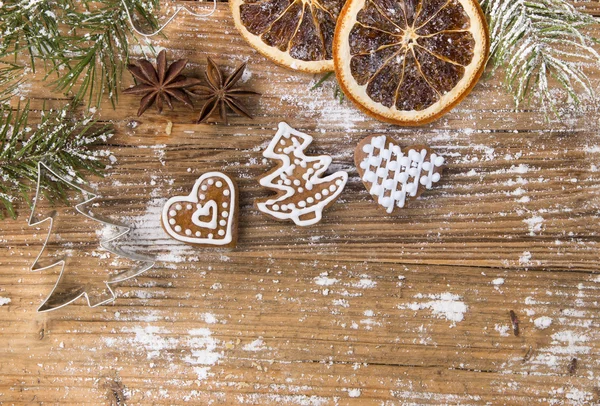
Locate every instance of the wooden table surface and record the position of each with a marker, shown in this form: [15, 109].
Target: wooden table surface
[363, 308]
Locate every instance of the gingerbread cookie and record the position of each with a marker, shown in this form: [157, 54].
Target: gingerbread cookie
[207, 216]
[302, 194]
[391, 174]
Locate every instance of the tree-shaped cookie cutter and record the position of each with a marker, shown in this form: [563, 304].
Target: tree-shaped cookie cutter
[59, 295]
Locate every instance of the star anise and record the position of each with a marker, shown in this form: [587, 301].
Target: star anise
[160, 84]
[220, 93]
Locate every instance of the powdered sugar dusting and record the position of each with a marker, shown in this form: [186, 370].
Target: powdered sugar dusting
[444, 305]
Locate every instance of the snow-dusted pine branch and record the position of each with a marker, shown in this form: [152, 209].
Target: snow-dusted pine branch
[538, 43]
[59, 140]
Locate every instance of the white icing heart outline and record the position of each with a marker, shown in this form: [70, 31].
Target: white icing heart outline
[193, 198]
[203, 211]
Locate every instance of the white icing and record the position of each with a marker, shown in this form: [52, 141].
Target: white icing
[208, 208]
[291, 157]
[401, 175]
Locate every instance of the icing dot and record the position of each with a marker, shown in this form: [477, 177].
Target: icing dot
[435, 177]
[325, 192]
[204, 187]
[211, 182]
[378, 142]
[318, 196]
[189, 207]
[282, 142]
[178, 207]
[221, 232]
[388, 183]
[276, 207]
[188, 232]
[287, 182]
[310, 200]
[225, 205]
[439, 161]
[219, 183]
[178, 228]
[284, 207]
[338, 182]
[198, 234]
[300, 190]
[223, 222]
[376, 189]
[172, 222]
[226, 193]
[291, 206]
[225, 214]
[172, 213]
[367, 148]
[202, 196]
[369, 176]
[210, 236]
[332, 188]
[297, 182]
[302, 203]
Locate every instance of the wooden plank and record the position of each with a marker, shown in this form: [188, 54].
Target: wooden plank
[363, 308]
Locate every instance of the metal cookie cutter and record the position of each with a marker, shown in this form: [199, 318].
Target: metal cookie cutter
[78, 277]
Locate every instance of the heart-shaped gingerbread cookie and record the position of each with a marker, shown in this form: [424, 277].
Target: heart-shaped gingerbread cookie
[392, 174]
[207, 216]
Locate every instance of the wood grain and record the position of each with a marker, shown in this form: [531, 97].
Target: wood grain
[363, 308]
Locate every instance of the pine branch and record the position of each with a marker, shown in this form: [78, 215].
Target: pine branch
[337, 91]
[539, 40]
[85, 43]
[58, 140]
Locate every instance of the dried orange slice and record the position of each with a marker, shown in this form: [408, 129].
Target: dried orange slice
[409, 61]
[297, 34]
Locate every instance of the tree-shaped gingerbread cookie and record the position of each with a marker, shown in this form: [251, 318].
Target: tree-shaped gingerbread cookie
[302, 193]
